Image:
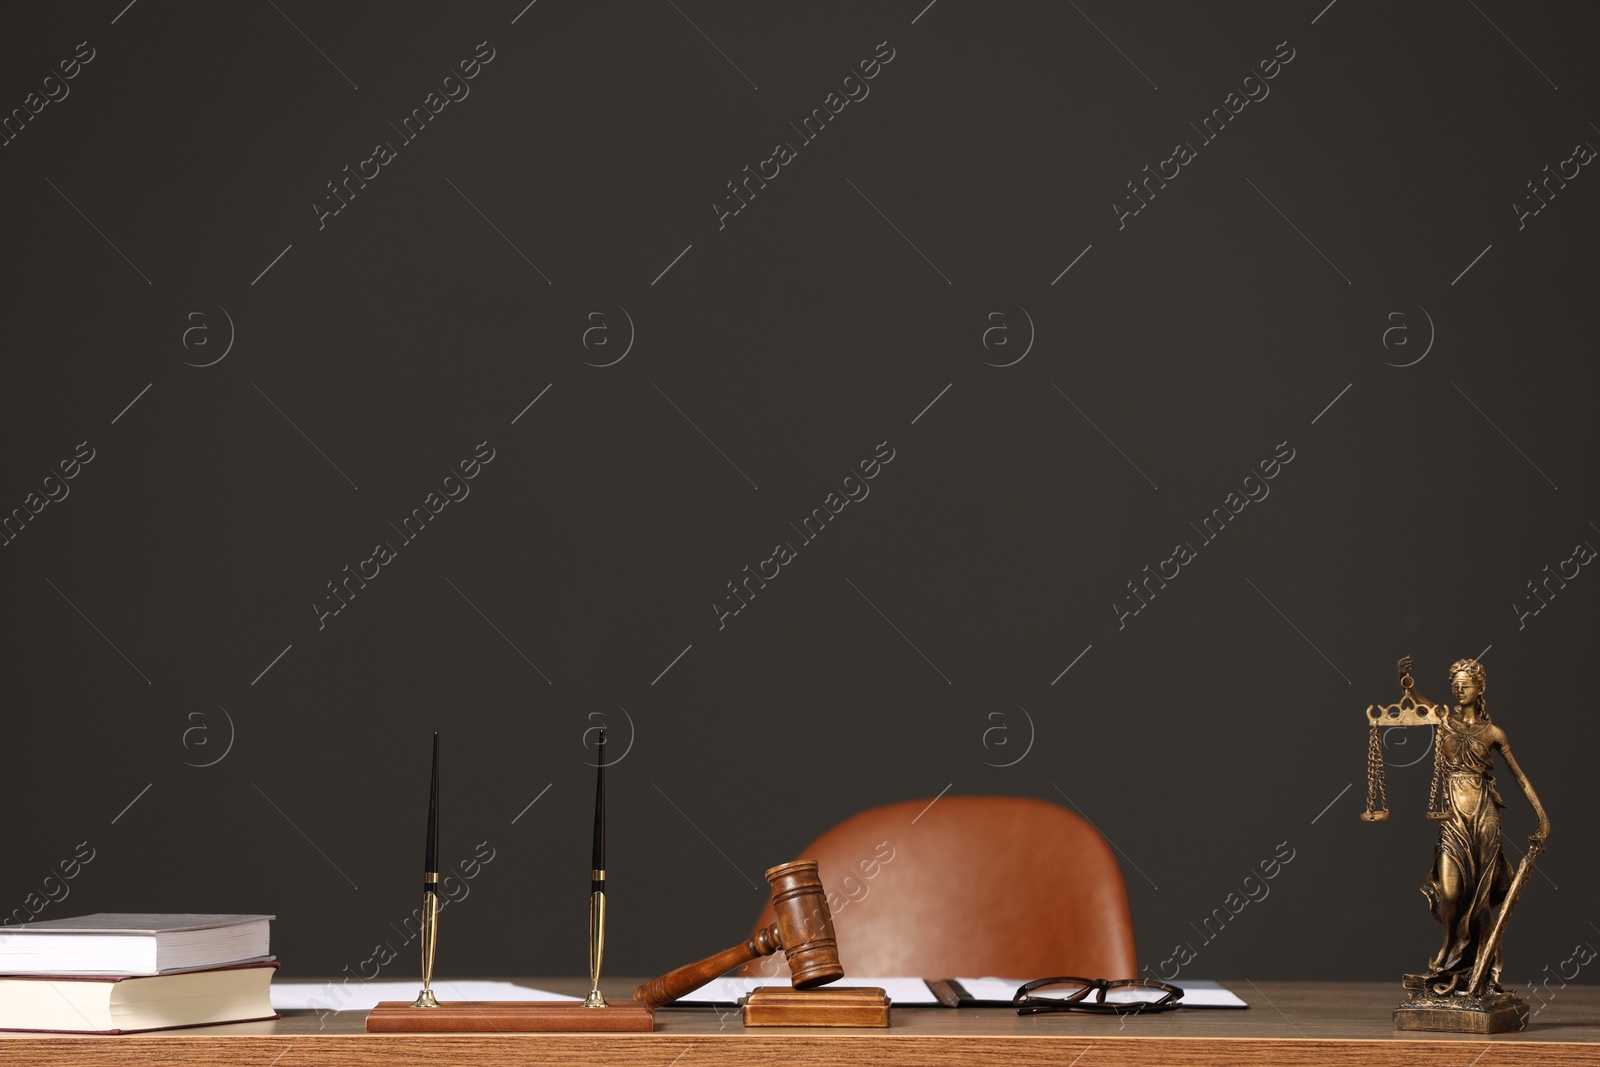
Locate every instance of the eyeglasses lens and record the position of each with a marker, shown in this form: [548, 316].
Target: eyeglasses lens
[1084, 993]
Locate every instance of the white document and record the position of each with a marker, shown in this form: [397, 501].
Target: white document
[990, 989]
[902, 991]
[364, 996]
[1197, 993]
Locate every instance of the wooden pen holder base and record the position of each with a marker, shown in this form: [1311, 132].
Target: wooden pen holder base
[784, 1006]
[509, 1016]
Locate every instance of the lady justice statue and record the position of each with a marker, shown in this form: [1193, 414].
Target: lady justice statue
[1471, 889]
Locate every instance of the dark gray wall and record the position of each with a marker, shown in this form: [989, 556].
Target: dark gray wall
[165, 608]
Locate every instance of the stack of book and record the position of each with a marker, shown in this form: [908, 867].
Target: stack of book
[119, 974]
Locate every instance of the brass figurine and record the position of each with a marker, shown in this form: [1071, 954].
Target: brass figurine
[1471, 889]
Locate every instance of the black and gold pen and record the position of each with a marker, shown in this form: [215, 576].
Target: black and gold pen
[430, 889]
[597, 880]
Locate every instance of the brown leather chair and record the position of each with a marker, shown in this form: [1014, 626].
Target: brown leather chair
[976, 886]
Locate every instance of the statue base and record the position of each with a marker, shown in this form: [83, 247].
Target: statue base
[1459, 1013]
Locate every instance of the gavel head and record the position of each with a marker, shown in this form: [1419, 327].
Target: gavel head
[805, 925]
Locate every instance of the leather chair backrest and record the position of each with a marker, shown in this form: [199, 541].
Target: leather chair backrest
[974, 886]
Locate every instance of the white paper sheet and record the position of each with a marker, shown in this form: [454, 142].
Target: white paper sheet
[901, 991]
[364, 996]
[1197, 993]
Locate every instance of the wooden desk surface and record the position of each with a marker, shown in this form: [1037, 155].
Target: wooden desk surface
[1288, 1024]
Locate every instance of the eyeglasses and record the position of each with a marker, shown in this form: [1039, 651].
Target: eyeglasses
[1123, 996]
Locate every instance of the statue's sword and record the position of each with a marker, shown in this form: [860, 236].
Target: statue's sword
[1491, 944]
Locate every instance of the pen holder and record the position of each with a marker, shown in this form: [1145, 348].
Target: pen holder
[504, 1016]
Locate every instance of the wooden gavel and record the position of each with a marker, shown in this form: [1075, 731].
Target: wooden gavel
[804, 931]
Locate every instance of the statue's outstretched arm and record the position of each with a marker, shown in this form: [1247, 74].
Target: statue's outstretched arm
[1537, 840]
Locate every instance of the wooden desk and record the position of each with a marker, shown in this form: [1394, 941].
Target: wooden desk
[1288, 1024]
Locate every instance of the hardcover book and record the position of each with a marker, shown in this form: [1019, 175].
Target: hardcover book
[117, 1004]
[127, 945]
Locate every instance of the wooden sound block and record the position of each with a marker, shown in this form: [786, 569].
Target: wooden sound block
[771, 1005]
[509, 1016]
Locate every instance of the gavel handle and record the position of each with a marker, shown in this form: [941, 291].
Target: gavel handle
[692, 976]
